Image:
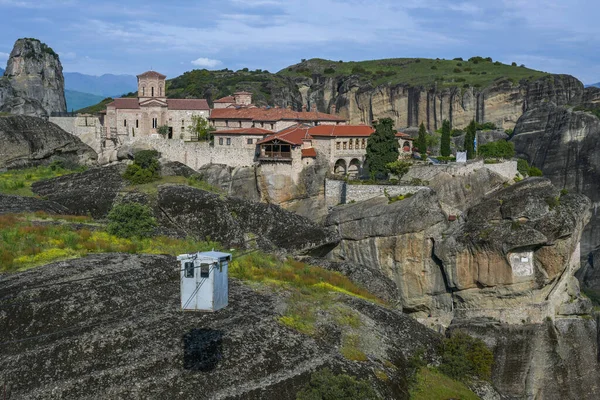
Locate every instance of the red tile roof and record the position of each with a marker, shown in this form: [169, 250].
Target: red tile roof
[152, 74]
[187, 104]
[228, 99]
[242, 93]
[341, 130]
[310, 152]
[292, 135]
[244, 131]
[272, 114]
[121, 103]
[403, 135]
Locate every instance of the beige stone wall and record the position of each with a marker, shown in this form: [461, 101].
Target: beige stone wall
[178, 119]
[236, 141]
[145, 86]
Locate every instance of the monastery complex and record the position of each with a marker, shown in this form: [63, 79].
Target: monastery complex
[278, 139]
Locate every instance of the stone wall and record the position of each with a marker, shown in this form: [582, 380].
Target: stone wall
[197, 154]
[340, 192]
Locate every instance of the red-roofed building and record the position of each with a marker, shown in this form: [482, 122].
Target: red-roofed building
[142, 116]
[343, 147]
[237, 111]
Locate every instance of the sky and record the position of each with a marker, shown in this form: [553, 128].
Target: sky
[133, 36]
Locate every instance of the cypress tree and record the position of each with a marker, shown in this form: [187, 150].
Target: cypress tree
[445, 143]
[469, 139]
[422, 141]
[382, 147]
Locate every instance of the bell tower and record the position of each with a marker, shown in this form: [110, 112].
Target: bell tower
[151, 85]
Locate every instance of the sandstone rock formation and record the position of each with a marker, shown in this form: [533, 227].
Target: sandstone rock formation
[33, 83]
[564, 143]
[111, 325]
[504, 271]
[28, 141]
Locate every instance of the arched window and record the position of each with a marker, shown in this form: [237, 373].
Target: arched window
[143, 90]
[152, 91]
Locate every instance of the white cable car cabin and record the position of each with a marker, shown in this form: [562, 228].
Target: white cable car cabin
[204, 284]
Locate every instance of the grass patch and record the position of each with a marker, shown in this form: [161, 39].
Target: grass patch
[476, 72]
[314, 290]
[351, 348]
[25, 242]
[433, 385]
[151, 188]
[18, 182]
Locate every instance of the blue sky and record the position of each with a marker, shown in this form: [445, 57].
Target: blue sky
[129, 37]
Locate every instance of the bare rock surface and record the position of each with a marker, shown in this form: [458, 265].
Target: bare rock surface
[30, 141]
[109, 326]
[18, 204]
[33, 83]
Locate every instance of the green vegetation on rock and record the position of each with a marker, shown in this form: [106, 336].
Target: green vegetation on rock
[129, 220]
[445, 141]
[433, 385]
[18, 182]
[465, 357]
[470, 139]
[145, 168]
[325, 385]
[477, 72]
[500, 149]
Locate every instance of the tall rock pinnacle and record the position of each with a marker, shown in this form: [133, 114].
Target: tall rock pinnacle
[33, 83]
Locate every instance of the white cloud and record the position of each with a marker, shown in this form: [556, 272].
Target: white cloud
[206, 62]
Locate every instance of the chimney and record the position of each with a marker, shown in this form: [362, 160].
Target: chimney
[313, 108]
[333, 109]
[289, 107]
[303, 107]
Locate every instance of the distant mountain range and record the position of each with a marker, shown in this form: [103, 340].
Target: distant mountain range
[106, 85]
[1, 71]
[85, 90]
[78, 100]
[594, 85]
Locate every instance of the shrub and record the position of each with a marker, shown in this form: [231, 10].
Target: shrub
[564, 192]
[499, 149]
[514, 64]
[460, 80]
[324, 385]
[398, 168]
[434, 67]
[357, 69]
[468, 69]
[329, 70]
[458, 59]
[465, 357]
[457, 70]
[523, 167]
[131, 220]
[508, 131]
[533, 171]
[459, 64]
[145, 168]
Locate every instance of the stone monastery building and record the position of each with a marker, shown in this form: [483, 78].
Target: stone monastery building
[276, 138]
[141, 116]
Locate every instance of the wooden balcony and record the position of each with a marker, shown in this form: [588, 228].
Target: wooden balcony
[276, 156]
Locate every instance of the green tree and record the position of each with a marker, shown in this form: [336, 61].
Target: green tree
[200, 128]
[445, 145]
[382, 147]
[398, 168]
[465, 357]
[324, 385]
[128, 220]
[499, 149]
[145, 167]
[470, 139]
[163, 130]
[422, 141]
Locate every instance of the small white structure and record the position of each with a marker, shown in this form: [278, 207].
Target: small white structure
[461, 157]
[204, 284]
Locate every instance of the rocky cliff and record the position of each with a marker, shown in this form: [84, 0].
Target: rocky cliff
[564, 142]
[503, 271]
[29, 141]
[33, 83]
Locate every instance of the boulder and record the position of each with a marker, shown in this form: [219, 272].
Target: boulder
[91, 192]
[30, 141]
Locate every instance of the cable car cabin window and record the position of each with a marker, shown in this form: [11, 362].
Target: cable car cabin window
[188, 270]
[204, 270]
